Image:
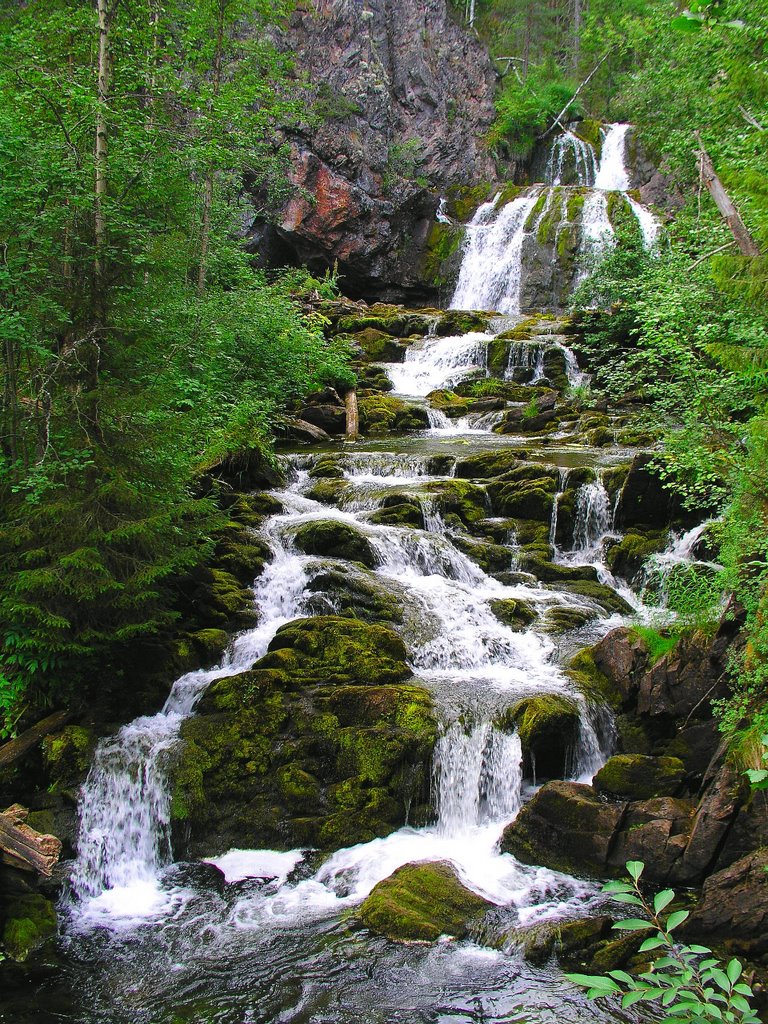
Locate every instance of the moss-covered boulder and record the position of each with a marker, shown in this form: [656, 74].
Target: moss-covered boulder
[329, 537]
[563, 619]
[548, 726]
[566, 827]
[593, 684]
[67, 754]
[485, 465]
[399, 510]
[384, 414]
[600, 593]
[378, 347]
[518, 615]
[329, 492]
[323, 743]
[491, 558]
[627, 557]
[635, 777]
[460, 498]
[552, 572]
[421, 902]
[29, 922]
[353, 594]
[326, 468]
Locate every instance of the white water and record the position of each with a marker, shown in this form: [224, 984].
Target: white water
[435, 363]
[566, 148]
[612, 175]
[648, 223]
[491, 269]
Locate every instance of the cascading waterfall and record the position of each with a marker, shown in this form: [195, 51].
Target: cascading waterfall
[562, 484]
[491, 270]
[502, 250]
[438, 363]
[568, 149]
[525, 362]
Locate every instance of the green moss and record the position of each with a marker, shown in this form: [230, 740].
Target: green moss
[328, 492]
[68, 753]
[518, 615]
[405, 514]
[542, 718]
[30, 921]
[421, 902]
[329, 537]
[563, 620]
[464, 200]
[575, 204]
[209, 643]
[589, 131]
[547, 229]
[604, 595]
[354, 594]
[657, 644]
[459, 497]
[299, 789]
[536, 212]
[637, 777]
[591, 682]
[443, 242]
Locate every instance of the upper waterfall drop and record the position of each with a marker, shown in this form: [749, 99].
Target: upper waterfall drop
[612, 174]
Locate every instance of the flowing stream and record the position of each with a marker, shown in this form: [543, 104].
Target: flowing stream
[146, 942]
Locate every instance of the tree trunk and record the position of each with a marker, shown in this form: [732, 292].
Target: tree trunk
[205, 229]
[21, 847]
[578, 18]
[725, 205]
[101, 155]
[14, 749]
[353, 424]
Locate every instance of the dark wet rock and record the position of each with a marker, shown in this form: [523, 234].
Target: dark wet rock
[548, 727]
[733, 909]
[336, 540]
[603, 595]
[563, 619]
[300, 430]
[198, 875]
[487, 464]
[723, 795]
[323, 743]
[627, 557]
[566, 826]
[354, 595]
[643, 501]
[635, 777]
[655, 831]
[572, 942]
[326, 411]
[421, 902]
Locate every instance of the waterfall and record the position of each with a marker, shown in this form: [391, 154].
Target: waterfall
[594, 520]
[124, 837]
[612, 175]
[525, 357]
[435, 363]
[562, 484]
[491, 269]
[441, 216]
[478, 776]
[649, 226]
[568, 147]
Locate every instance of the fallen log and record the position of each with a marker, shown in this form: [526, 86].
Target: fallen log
[725, 204]
[24, 848]
[15, 749]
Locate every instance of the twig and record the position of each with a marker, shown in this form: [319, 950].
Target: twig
[586, 81]
[713, 253]
[751, 119]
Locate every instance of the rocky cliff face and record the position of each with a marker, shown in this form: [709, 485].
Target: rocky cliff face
[406, 96]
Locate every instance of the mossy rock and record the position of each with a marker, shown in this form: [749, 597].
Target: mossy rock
[334, 539]
[590, 131]
[382, 414]
[526, 502]
[569, 941]
[562, 619]
[596, 687]
[404, 513]
[636, 777]
[464, 200]
[329, 649]
[324, 743]
[329, 492]
[449, 402]
[459, 497]
[627, 557]
[209, 644]
[378, 346]
[441, 248]
[242, 555]
[551, 572]
[602, 594]
[421, 902]
[487, 465]
[548, 727]
[67, 754]
[518, 615]
[326, 468]
[354, 595]
[490, 557]
[30, 922]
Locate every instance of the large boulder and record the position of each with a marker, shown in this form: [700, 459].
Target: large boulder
[548, 727]
[643, 500]
[421, 902]
[733, 909]
[635, 777]
[336, 540]
[567, 827]
[324, 743]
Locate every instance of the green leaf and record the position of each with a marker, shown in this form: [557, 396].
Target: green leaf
[622, 976]
[632, 924]
[683, 24]
[630, 998]
[635, 868]
[653, 943]
[677, 918]
[594, 982]
[662, 900]
[733, 970]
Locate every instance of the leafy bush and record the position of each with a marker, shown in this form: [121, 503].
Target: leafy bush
[524, 111]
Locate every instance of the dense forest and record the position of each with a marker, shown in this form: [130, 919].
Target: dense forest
[201, 386]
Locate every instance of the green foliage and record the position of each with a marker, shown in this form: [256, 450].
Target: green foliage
[690, 984]
[131, 366]
[525, 110]
[758, 777]
[657, 644]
